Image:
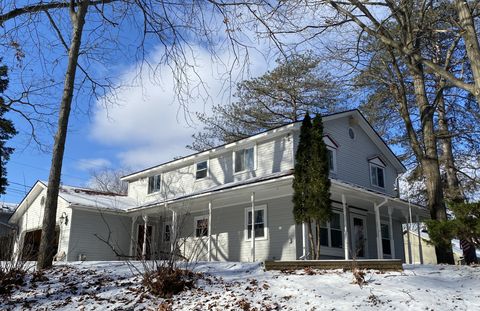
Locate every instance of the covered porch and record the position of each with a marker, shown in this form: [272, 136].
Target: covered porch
[217, 225]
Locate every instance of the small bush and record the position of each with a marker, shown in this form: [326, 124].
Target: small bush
[166, 282]
[10, 279]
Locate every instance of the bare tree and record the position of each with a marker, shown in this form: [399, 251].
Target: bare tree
[108, 180]
[173, 25]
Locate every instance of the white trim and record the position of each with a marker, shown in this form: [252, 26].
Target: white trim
[330, 250]
[195, 169]
[387, 223]
[265, 223]
[353, 241]
[164, 227]
[254, 147]
[334, 159]
[195, 219]
[373, 165]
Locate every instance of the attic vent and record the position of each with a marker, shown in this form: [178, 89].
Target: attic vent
[42, 201]
[351, 133]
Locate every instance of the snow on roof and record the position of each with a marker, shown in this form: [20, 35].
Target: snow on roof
[8, 208]
[91, 198]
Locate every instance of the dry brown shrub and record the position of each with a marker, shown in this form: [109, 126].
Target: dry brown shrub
[166, 282]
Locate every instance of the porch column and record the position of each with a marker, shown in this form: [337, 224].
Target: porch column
[420, 250]
[410, 222]
[133, 241]
[390, 233]
[144, 246]
[304, 241]
[345, 226]
[173, 239]
[409, 245]
[252, 198]
[379, 232]
[210, 231]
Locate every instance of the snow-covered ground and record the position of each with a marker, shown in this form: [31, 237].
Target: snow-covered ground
[245, 286]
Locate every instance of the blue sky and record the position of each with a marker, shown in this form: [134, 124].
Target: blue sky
[144, 124]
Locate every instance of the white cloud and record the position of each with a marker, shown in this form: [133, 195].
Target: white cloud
[146, 121]
[92, 164]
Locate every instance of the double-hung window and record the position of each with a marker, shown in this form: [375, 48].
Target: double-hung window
[377, 175]
[386, 247]
[331, 232]
[244, 159]
[259, 223]
[201, 170]
[154, 183]
[377, 172]
[201, 226]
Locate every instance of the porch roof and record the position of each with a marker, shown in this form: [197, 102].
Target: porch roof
[337, 186]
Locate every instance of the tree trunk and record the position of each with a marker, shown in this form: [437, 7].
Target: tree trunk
[472, 46]
[312, 240]
[46, 252]
[429, 163]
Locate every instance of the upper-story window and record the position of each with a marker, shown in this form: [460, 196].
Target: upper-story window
[201, 170]
[244, 159]
[154, 183]
[377, 172]
[331, 153]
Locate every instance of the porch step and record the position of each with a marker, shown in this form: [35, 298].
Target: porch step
[375, 264]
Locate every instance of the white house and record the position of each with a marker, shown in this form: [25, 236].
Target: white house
[205, 201]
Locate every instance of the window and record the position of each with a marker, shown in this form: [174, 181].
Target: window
[167, 232]
[154, 183]
[377, 175]
[386, 247]
[259, 223]
[201, 170]
[331, 157]
[201, 226]
[331, 232]
[244, 160]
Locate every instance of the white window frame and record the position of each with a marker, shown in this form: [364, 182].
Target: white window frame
[160, 176]
[195, 221]
[208, 169]
[168, 223]
[334, 159]
[265, 223]
[383, 222]
[376, 166]
[329, 234]
[254, 147]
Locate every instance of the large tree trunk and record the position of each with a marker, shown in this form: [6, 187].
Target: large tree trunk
[472, 46]
[429, 163]
[46, 252]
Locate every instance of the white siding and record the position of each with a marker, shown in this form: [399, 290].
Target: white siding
[32, 219]
[88, 227]
[273, 155]
[353, 154]
[228, 234]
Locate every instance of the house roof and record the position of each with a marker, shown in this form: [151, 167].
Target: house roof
[8, 208]
[364, 124]
[90, 198]
[78, 197]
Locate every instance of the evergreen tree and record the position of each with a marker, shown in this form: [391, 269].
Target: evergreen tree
[7, 131]
[281, 96]
[311, 184]
[321, 209]
[301, 172]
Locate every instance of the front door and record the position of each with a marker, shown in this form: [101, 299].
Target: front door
[359, 236]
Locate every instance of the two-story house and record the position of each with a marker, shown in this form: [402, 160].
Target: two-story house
[234, 202]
